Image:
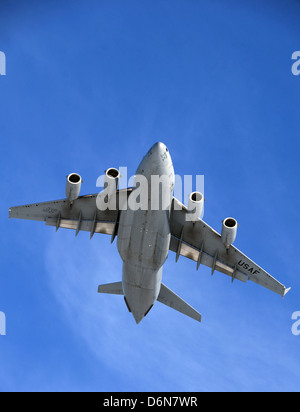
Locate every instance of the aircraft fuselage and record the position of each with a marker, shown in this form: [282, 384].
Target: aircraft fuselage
[144, 236]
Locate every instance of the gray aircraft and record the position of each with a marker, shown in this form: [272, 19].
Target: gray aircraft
[147, 228]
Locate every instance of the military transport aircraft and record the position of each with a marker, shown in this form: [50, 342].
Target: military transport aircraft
[145, 234]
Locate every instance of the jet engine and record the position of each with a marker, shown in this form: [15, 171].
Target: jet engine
[73, 186]
[106, 199]
[195, 206]
[229, 229]
[111, 181]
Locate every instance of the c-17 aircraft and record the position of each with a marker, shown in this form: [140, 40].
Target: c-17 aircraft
[145, 236]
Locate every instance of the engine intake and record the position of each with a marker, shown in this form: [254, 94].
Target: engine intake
[73, 186]
[195, 206]
[229, 230]
[111, 181]
[106, 199]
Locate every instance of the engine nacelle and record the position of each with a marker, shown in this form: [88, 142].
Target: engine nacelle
[73, 186]
[111, 181]
[229, 229]
[195, 206]
[106, 199]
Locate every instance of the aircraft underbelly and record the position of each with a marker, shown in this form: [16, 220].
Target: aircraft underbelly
[144, 235]
[143, 241]
[143, 244]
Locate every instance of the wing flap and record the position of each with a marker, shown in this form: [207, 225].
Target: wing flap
[84, 224]
[193, 253]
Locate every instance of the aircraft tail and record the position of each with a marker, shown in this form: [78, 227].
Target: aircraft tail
[166, 296]
[112, 288]
[169, 298]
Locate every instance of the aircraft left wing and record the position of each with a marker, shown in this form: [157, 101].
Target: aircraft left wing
[82, 214]
[199, 242]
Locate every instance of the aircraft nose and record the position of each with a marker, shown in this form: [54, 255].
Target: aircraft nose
[155, 160]
[158, 148]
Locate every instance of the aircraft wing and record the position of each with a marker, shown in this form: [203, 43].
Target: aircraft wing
[199, 242]
[83, 214]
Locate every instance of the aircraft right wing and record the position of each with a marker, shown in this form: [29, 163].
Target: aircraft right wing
[201, 243]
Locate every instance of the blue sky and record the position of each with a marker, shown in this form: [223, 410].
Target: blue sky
[92, 85]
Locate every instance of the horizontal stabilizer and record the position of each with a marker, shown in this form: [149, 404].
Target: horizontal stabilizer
[169, 298]
[112, 288]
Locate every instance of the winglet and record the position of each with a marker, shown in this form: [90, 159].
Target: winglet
[286, 290]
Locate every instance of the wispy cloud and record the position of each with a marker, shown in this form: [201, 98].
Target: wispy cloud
[167, 351]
